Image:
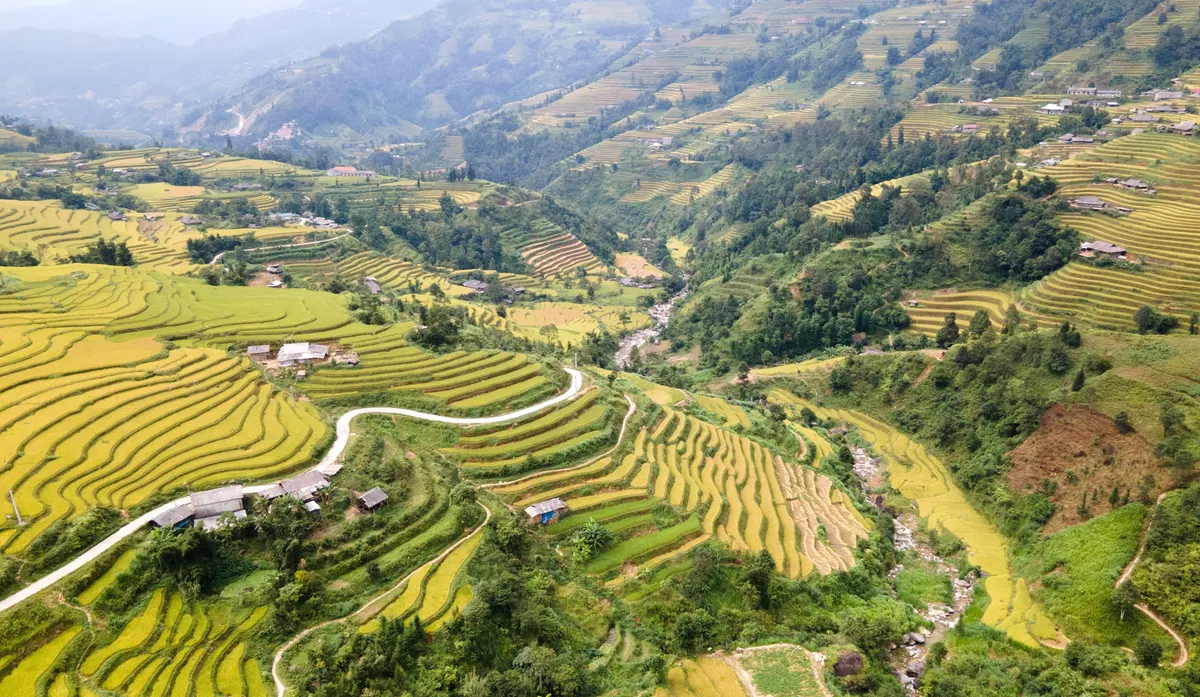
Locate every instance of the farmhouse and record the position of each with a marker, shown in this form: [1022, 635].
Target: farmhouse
[178, 516]
[209, 506]
[546, 512]
[1090, 203]
[349, 172]
[1183, 128]
[372, 285]
[372, 500]
[117, 216]
[475, 286]
[1136, 185]
[191, 220]
[275, 284]
[1052, 109]
[261, 352]
[967, 128]
[291, 354]
[1101, 248]
[302, 487]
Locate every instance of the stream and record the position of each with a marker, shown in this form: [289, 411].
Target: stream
[661, 314]
[909, 658]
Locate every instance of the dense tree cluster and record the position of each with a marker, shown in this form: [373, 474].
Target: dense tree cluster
[105, 252]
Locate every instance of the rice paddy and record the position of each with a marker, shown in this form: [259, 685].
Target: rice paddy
[704, 677]
[114, 418]
[180, 647]
[550, 250]
[923, 478]
[1158, 232]
[723, 485]
[435, 592]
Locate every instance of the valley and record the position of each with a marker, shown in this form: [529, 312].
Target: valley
[637, 347]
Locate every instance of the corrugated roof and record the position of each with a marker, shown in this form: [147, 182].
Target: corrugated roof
[225, 493]
[538, 509]
[174, 516]
[373, 498]
[308, 480]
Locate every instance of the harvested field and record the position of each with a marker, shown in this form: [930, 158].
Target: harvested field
[1079, 451]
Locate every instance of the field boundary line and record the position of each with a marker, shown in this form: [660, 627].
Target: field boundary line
[327, 466]
[593, 460]
[219, 256]
[281, 688]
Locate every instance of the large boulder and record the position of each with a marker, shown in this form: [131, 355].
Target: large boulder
[848, 663]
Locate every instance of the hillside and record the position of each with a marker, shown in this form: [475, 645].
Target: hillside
[98, 77]
[622, 347]
[457, 59]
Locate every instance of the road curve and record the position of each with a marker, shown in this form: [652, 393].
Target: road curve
[1183, 657]
[363, 612]
[324, 466]
[221, 255]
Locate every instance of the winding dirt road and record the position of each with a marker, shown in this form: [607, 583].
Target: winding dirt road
[1182, 659]
[221, 255]
[365, 611]
[327, 466]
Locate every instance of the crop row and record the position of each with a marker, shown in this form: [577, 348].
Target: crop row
[729, 487]
[435, 592]
[925, 479]
[178, 647]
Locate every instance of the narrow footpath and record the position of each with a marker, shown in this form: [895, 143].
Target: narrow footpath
[1182, 659]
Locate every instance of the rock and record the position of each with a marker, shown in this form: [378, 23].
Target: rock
[848, 663]
[915, 668]
[913, 638]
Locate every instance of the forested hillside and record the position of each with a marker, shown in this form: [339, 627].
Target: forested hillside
[636, 348]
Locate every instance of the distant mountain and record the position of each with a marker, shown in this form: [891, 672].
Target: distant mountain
[461, 57]
[177, 22]
[147, 83]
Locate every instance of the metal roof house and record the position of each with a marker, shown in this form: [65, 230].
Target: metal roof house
[176, 517]
[208, 504]
[372, 285]
[303, 486]
[290, 354]
[546, 512]
[372, 499]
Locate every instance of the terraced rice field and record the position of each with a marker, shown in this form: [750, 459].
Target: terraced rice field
[178, 647]
[584, 424]
[729, 487]
[22, 678]
[1159, 231]
[461, 379]
[651, 62]
[1143, 33]
[931, 310]
[650, 190]
[731, 413]
[841, 209]
[704, 677]
[435, 592]
[705, 188]
[94, 410]
[920, 476]
[52, 232]
[550, 250]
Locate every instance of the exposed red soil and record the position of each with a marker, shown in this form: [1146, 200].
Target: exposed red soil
[1080, 450]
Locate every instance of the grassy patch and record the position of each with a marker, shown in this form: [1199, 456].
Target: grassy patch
[785, 672]
[1077, 568]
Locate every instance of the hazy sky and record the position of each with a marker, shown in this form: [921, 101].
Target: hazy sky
[181, 21]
